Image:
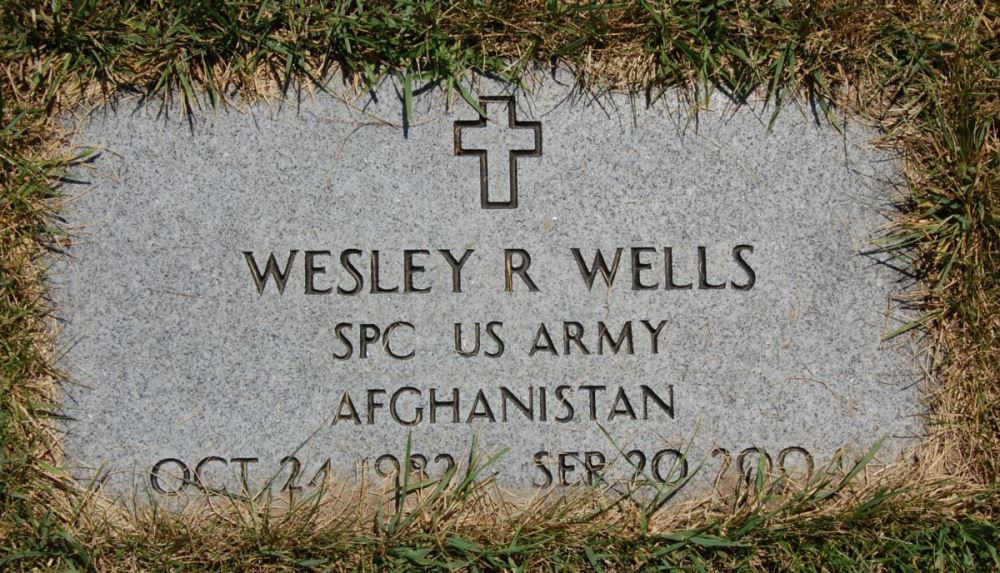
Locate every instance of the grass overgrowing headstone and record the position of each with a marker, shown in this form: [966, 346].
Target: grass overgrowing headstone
[925, 75]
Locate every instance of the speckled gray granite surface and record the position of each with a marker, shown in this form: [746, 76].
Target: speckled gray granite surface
[179, 362]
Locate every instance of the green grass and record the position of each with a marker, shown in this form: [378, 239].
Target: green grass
[926, 72]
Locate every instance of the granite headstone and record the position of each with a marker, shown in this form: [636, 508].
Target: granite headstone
[286, 294]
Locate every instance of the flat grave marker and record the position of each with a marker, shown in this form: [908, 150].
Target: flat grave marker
[288, 294]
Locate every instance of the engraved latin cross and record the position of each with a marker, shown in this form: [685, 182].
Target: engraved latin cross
[489, 139]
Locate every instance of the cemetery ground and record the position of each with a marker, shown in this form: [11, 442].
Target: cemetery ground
[926, 73]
